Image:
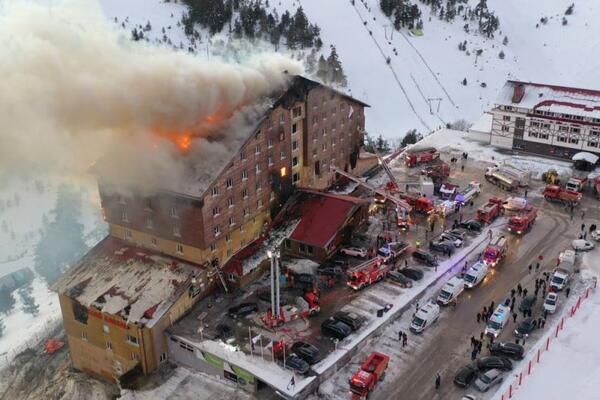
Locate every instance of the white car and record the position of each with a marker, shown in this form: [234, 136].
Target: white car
[354, 251]
[551, 302]
[596, 236]
[582, 245]
[515, 203]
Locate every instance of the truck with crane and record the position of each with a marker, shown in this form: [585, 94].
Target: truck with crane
[305, 306]
[523, 221]
[557, 194]
[490, 210]
[363, 382]
[417, 156]
[495, 251]
[367, 273]
[501, 178]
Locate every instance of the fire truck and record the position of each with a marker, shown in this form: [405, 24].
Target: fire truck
[367, 273]
[448, 191]
[495, 251]
[416, 156]
[576, 183]
[438, 171]
[523, 221]
[555, 193]
[491, 210]
[306, 306]
[372, 371]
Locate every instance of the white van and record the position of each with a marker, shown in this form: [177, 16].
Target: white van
[451, 290]
[424, 317]
[498, 320]
[476, 274]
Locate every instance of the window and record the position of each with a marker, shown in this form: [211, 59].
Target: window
[174, 212]
[215, 191]
[134, 356]
[133, 340]
[592, 144]
[281, 135]
[229, 252]
[176, 231]
[230, 202]
[270, 143]
[217, 230]
[324, 132]
[258, 169]
[505, 129]
[296, 177]
[294, 161]
[288, 244]
[246, 212]
[148, 204]
[244, 193]
[283, 155]
[216, 211]
[258, 186]
[573, 140]
[122, 199]
[108, 346]
[84, 336]
[106, 329]
[270, 161]
[532, 134]
[149, 223]
[295, 145]
[242, 242]
[272, 196]
[561, 139]
[535, 124]
[243, 156]
[283, 171]
[302, 248]
[231, 221]
[324, 146]
[179, 248]
[128, 234]
[546, 126]
[229, 183]
[259, 204]
[294, 128]
[314, 119]
[314, 153]
[282, 119]
[575, 130]
[257, 135]
[163, 357]
[153, 241]
[231, 277]
[269, 123]
[297, 112]
[80, 313]
[213, 247]
[257, 149]
[543, 136]
[506, 118]
[333, 110]
[563, 128]
[242, 230]
[309, 249]
[228, 238]
[595, 133]
[124, 216]
[244, 175]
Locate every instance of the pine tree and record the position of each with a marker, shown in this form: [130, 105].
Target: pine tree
[29, 304]
[323, 70]
[564, 21]
[387, 7]
[7, 301]
[335, 68]
[464, 82]
[505, 40]
[311, 62]
[569, 10]
[501, 55]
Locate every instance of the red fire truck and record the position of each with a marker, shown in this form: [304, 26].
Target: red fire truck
[419, 204]
[367, 273]
[439, 170]
[557, 194]
[491, 210]
[523, 221]
[372, 371]
[495, 251]
[422, 155]
[306, 306]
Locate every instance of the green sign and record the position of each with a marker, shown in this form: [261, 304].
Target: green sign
[213, 360]
[248, 377]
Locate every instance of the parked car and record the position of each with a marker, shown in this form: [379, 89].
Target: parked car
[353, 320]
[336, 329]
[329, 270]
[456, 241]
[297, 364]
[354, 251]
[457, 233]
[425, 258]
[507, 349]
[242, 310]
[525, 327]
[466, 375]
[494, 362]
[306, 351]
[413, 273]
[582, 245]
[527, 303]
[442, 246]
[551, 302]
[488, 379]
[224, 332]
[399, 278]
[471, 225]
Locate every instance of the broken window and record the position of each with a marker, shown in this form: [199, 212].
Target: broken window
[80, 313]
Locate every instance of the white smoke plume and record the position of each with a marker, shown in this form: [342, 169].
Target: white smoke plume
[74, 88]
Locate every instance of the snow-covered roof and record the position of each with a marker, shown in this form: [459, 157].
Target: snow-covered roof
[122, 280]
[585, 156]
[483, 124]
[551, 98]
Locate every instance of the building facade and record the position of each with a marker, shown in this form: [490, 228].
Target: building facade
[548, 120]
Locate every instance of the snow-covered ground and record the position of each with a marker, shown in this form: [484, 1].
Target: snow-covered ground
[27, 203]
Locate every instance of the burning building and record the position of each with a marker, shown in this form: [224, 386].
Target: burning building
[219, 203]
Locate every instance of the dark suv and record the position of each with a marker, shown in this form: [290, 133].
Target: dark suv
[527, 303]
[466, 375]
[471, 225]
[306, 351]
[295, 363]
[494, 362]
[354, 321]
[442, 246]
[242, 310]
[507, 349]
[412, 273]
[425, 258]
[335, 329]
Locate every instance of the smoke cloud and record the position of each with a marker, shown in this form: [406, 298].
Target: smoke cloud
[74, 88]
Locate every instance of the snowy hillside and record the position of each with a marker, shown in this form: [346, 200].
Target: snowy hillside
[429, 66]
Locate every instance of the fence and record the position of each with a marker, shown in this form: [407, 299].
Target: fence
[543, 346]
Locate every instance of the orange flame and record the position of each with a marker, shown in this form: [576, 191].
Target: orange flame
[183, 138]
